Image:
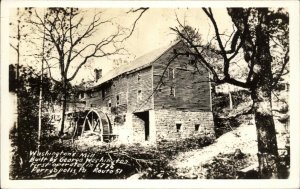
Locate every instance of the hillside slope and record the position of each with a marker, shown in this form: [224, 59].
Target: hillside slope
[190, 164]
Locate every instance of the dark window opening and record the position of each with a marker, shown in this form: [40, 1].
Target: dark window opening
[118, 99]
[187, 54]
[103, 94]
[138, 77]
[185, 65]
[171, 73]
[109, 103]
[172, 91]
[192, 60]
[139, 95]
[178, 127]
[81, 95]
[93, 94]
[89, 94]
[197, 127]
[93, 105]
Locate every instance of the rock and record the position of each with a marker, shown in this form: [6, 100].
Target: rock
[135, 176]
[160, 175]
[252, 174]
[238, 154]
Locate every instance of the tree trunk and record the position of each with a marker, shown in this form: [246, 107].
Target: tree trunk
[266, 134]
[64, 107]
[261, 95]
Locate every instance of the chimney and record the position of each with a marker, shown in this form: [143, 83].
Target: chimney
[98, 74]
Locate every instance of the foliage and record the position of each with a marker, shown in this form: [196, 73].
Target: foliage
[68, 42]
[261, 34]
[222, 121]
[150, 161]
[192, 34]
[228, 166]
[225, 166]
[24, 138]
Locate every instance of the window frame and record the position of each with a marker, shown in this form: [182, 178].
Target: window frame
[178, 127]
[172, 91]
[171, 72]
[139, 96]
[118, 101]
[109, 103]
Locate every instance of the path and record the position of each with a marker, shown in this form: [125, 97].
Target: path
[189, 163]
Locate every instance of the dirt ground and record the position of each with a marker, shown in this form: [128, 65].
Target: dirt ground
[189, 164]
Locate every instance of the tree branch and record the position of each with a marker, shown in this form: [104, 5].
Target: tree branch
[143, 10]
[285, 62]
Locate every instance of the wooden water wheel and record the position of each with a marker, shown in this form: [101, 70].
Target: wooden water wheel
[94, 121]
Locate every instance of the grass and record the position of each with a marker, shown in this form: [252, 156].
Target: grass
[150, 161]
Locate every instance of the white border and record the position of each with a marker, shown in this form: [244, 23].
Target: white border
[292, 182]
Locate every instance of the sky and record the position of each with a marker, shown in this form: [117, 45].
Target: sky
[153, 29]
[152, 32]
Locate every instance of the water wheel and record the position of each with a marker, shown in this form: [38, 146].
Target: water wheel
[95, 121]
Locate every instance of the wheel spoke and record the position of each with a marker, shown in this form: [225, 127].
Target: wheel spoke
[90, 126]
[97, 123]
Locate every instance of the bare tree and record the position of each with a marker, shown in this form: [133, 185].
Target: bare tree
[72, 40]
[16, 38]
[258, 32]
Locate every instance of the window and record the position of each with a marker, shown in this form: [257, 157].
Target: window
[192, 60]
[178, 127]
[89, 94]
[171, 73]
[103, 94]
[197, 127]
[93, 105]
[139, 95]
[138, 77]
[94, 93]
[109, 103]
[159, 89]
[172, 91]
[118, 100]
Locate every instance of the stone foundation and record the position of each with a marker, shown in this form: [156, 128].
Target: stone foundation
[164, 125]
[174, 124]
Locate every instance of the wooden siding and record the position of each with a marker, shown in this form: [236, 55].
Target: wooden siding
[140, 81]
[126, 87]
[182, 87]
[187, 90]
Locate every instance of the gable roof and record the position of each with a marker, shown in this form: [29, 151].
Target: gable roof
[139, 63]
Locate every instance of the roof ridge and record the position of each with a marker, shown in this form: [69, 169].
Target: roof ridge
[141, 61]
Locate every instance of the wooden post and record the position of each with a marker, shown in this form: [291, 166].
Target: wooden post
[41, 94]
[230, 99]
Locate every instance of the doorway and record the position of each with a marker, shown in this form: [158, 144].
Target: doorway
[144, 118]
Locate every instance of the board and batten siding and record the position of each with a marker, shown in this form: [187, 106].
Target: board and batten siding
[140, 90]
[182, 86]
[126, 93]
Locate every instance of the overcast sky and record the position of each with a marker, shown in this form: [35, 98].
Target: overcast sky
[152, 31]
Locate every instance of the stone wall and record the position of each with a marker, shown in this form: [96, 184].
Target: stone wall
[166, 122]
